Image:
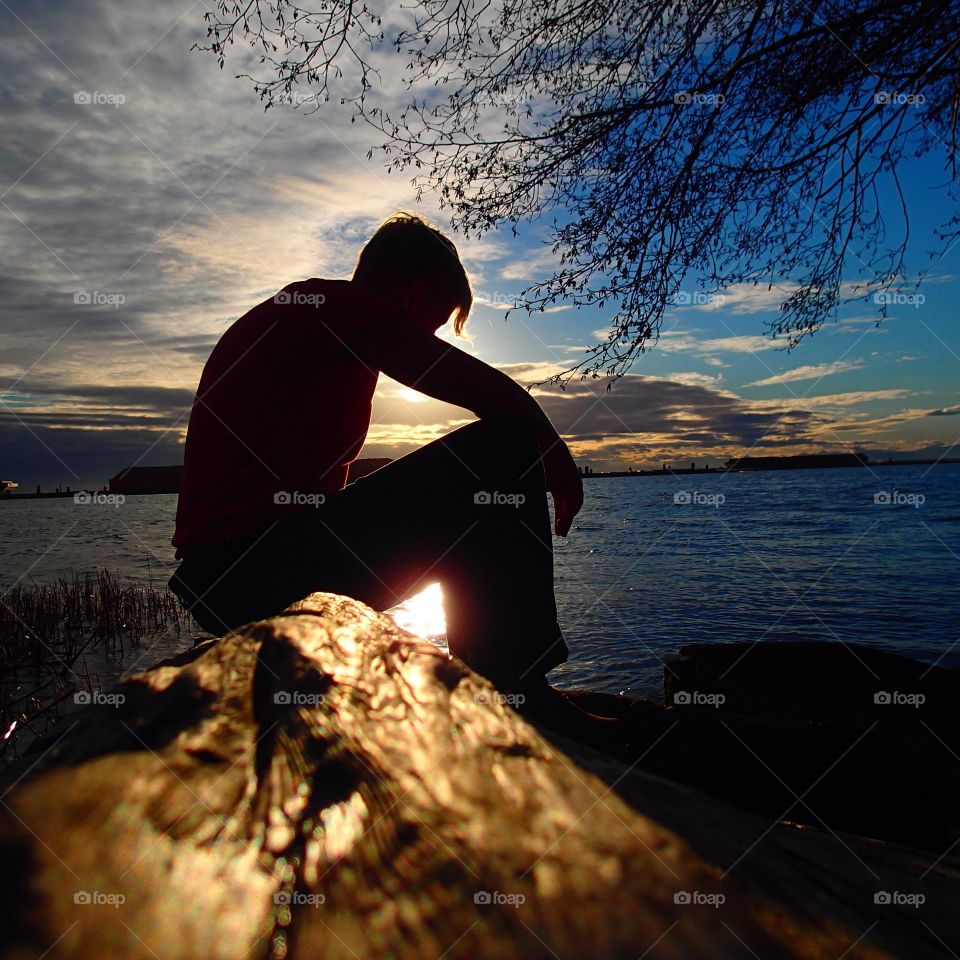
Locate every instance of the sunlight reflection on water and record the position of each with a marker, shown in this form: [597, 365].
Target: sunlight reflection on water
[422, 614]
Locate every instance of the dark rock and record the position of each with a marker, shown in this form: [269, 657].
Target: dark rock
[811, 679]
[793, 731]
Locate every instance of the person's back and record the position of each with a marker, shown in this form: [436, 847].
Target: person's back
[282, 407]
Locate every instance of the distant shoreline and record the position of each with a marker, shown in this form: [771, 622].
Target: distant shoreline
[674, 471]
[686, 471]
[49, 495]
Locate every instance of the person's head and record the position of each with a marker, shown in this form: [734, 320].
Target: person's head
[416, 268]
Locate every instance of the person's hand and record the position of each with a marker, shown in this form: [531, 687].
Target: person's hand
[564, 484]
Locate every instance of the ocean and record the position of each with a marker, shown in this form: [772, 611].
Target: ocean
[866, 555]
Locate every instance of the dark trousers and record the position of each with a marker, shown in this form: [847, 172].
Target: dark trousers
[468, 510]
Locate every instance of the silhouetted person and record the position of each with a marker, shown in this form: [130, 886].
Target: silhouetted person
[283, 406]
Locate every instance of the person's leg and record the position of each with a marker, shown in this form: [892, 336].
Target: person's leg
[228, 584]
[469, 510]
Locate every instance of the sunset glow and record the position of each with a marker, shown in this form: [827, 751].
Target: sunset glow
[422, 614]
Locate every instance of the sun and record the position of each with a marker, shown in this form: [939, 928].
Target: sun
[422, 613]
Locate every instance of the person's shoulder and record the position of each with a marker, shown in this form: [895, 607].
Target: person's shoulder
[341, 293]
[310, 292]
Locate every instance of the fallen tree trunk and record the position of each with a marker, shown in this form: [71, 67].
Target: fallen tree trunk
[323, 784]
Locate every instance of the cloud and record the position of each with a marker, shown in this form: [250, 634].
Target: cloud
[498, 300]
[48, 454]
[160, 400]
[696, 379]
[945, 411]
[870, 426]
[851, 399]
[531, 265]
[745, 298]
[809, 372]
[648, 408]
[677, 341]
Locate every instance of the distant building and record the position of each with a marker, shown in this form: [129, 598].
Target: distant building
[134, 480]
[6, 486]
[799, 461]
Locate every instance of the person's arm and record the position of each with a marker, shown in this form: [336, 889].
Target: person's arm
[423, 362]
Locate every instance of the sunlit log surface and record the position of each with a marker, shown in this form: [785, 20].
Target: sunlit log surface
[322, 784]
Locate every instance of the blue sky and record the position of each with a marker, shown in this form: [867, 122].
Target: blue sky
[137, 225]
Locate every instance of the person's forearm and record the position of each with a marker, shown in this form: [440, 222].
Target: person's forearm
[423, 362]
[510, 401]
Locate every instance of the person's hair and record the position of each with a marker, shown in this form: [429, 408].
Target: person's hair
[407, 247]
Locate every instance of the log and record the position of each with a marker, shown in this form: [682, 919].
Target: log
[323, 784]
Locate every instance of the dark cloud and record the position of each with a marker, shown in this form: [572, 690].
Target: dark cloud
[160, 400]
[52, 433]
[642, 406]
[196, 345]
[69, 456]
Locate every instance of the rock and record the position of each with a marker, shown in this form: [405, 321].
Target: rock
[324, 784]
[738, 730]
[811, 679]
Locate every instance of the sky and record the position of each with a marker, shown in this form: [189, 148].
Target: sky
[147, 201]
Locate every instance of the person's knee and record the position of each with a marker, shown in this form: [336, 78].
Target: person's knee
[503, 437]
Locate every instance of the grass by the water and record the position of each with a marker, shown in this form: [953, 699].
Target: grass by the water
[51, 634]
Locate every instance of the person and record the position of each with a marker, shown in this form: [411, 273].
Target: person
[266, 516]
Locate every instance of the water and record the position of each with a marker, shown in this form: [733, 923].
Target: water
[805, 554]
